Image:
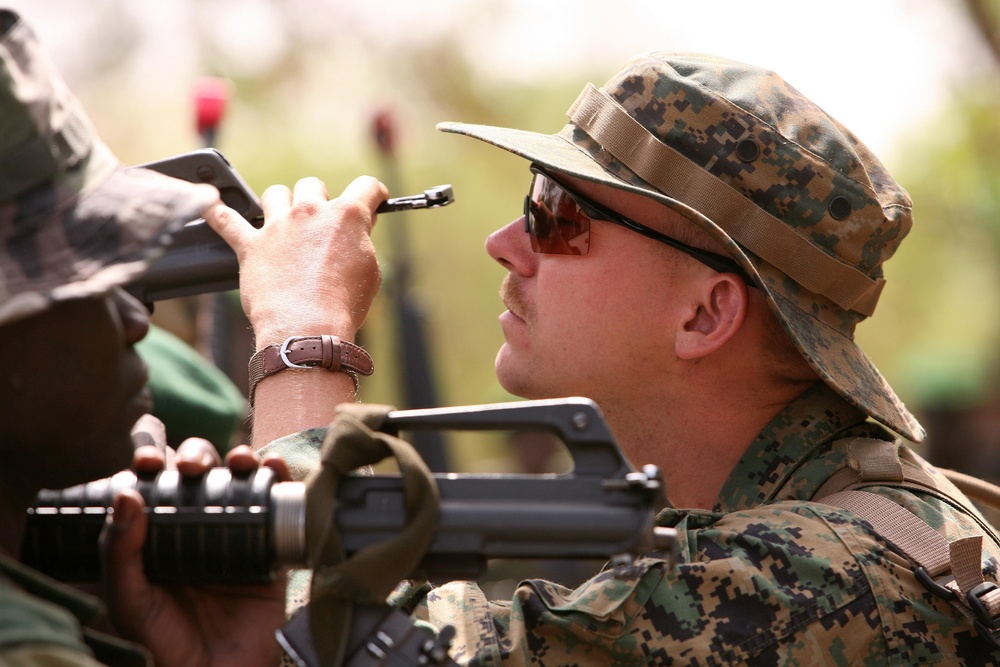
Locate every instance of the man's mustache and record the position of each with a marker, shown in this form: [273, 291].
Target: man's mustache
[513, 297]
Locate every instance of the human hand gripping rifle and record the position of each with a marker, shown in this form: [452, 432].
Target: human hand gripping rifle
[367, 530]
[198, 261]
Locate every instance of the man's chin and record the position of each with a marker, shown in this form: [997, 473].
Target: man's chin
[504, 366]
[519, 381]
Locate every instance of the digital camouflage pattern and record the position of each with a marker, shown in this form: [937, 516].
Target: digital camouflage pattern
[766, 578]
[788, 160]
[73, 222]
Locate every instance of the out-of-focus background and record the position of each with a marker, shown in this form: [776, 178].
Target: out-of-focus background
[917, 80]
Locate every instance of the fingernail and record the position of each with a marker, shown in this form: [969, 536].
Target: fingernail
[197, 458]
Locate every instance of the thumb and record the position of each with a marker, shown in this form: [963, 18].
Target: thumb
[230, 225]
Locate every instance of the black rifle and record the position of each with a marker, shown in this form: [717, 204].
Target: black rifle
[223, 529]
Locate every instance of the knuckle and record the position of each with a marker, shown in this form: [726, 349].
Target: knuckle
[354, 210]
[226, 218]
[303, 210]
[241, 450]
[226, 215]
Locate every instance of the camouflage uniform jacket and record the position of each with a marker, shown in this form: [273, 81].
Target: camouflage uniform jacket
[43, 622]
[766, 578]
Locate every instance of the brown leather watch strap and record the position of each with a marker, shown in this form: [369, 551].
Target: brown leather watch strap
[327, 352]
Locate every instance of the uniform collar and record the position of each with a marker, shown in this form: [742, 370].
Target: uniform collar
[790, 438]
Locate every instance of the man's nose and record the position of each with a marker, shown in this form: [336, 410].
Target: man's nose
[511, 247]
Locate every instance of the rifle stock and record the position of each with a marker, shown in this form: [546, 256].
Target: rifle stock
[198, 261]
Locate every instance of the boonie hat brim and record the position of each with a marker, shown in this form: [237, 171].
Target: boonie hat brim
[73, 221]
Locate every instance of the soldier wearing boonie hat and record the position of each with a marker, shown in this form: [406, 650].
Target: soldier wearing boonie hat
[789, 567]
[814, 533]
[74, 227]
[796, 199]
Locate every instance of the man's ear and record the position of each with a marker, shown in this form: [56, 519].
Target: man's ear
[717, 312]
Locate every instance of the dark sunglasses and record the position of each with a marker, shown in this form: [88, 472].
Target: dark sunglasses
[557, 221]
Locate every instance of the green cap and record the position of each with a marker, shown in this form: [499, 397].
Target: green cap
[794, 197]
[190, 395]
[73, 221]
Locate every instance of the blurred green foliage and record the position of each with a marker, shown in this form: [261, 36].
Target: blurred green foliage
[936, 332]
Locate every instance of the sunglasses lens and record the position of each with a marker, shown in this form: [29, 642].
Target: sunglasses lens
[554, 221]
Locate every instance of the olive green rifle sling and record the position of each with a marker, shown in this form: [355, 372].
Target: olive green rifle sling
[347, 621]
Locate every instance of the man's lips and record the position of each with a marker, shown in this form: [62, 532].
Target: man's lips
[513, 299]
[512, 310]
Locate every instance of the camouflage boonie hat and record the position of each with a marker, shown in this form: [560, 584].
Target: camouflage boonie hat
[73, 221]
[796, 198]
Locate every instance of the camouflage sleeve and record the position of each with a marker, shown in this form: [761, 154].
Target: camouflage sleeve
[300, 450]
[45, 656]
[776, 585]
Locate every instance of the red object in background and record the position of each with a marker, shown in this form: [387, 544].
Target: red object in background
[211, 95]
[384, 131]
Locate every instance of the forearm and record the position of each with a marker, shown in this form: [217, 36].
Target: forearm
[295, 400]
[297, 385]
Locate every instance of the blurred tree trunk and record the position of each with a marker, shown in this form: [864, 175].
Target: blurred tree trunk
[984, 18]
